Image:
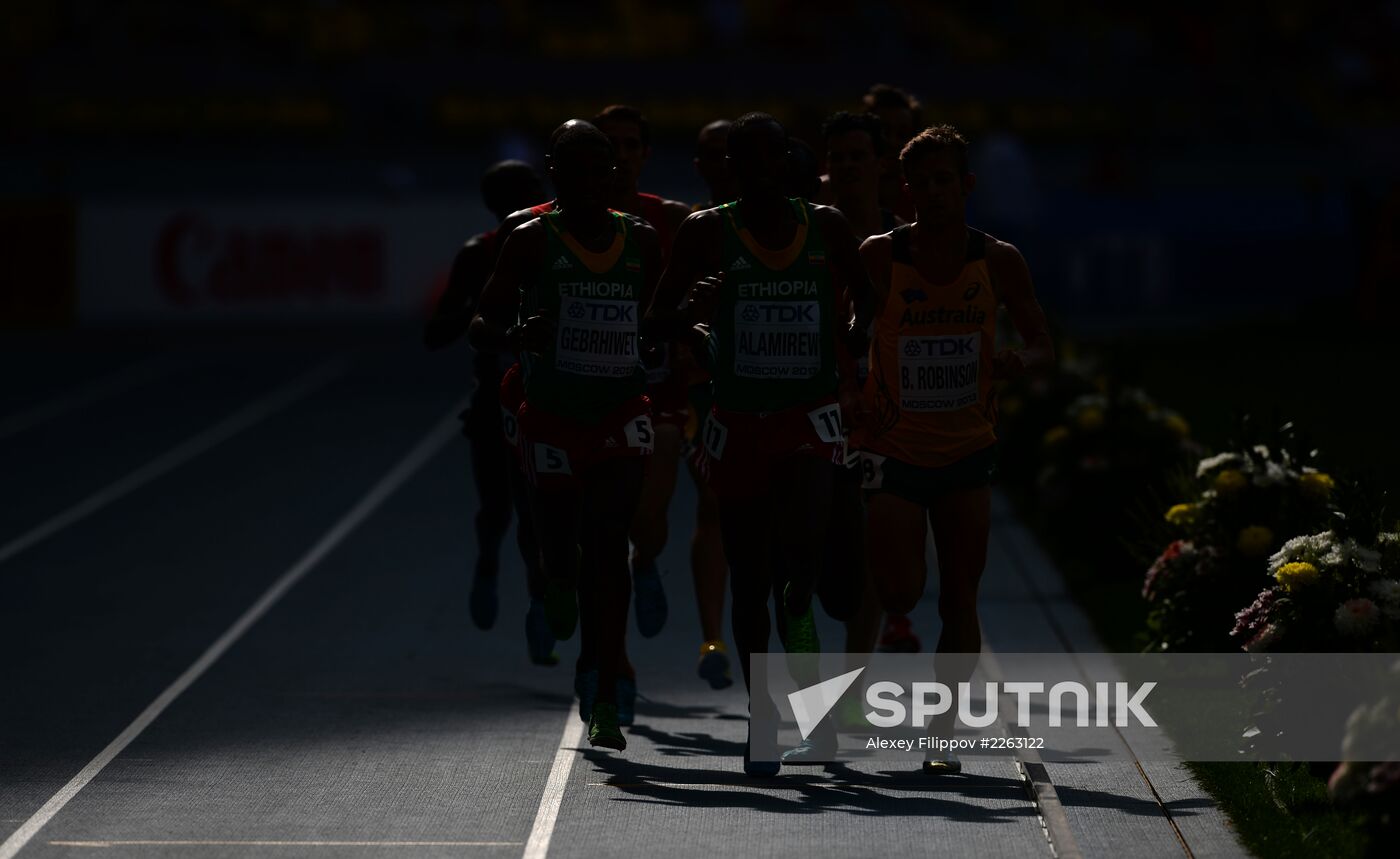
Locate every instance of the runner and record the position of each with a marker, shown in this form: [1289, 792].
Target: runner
[667, 382]
[574, 280]
[900, 115]
[708, 567]
[711, 162]
[765, 271]
[505, 187]
[854, 148]
[930, 446]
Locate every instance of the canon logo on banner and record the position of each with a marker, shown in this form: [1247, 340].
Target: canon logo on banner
[197, 262]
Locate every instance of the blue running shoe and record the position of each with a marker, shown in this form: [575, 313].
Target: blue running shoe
[650, 598]
[714, 665]
[483, 599]
[626, 700]
[539, 640]
[586, 688]
[819, 747]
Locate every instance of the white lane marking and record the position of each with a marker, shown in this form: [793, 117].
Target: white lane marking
[95, 391]
[285, 843]
[1053, 817]
[177, 456]
[543, 830]
[443, 432]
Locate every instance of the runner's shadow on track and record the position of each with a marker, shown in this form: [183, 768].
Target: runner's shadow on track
[655, 709]
[814, 792]
[688, 744]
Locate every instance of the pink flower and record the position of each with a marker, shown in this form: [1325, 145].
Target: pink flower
[1356, 617]
[1250, 620]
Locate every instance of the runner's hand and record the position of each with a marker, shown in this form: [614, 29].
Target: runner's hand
[700, 301]
[535, 335]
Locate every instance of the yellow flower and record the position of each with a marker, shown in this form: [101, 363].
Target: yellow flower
[1230, 480]
[1011, 406]
[1317, 483]
[1178, 425]
[1182, 515]
[1255, 540]
[1056, 435]
[1090, 419]
[1296, 575]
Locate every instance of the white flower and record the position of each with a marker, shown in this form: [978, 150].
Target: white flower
[1387, 593]
[1349, 552]
[1356, 617]
[1220, 460]
[1262, 450]
[1388, 538]
[1273, 474]
[1309, 547]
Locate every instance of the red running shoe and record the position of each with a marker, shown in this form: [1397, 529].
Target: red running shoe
[898, 636]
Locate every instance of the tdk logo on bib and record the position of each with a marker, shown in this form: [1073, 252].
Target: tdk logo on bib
[941, 347]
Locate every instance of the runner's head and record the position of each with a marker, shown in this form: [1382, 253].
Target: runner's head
[899, 112]
[854, 144]
[758, 150]
[581, 165]
[935, 167]
[710, 149]
[630, 134]
[803, 176]
[508, 186]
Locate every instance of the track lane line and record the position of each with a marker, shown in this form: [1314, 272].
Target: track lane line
[444, 431]
[177, 456]
[537, 847]
[94, 391]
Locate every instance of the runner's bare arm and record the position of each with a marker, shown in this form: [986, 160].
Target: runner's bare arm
[875, 253]
[676, 213]
[846, 264]
[649, 243]
[457, 304]
[492, 328]
[1011, 279]
[685, 294]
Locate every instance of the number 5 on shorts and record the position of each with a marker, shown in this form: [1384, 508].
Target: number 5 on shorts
[639, 433]
[551, 460]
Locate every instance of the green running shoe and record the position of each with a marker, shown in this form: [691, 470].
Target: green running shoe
[603, 729]
[561, 608]
[801, 629]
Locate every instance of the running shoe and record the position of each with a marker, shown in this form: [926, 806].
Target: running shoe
[759, 769]
[801, 630]
[539, 640]
[650, 599]
[561, 609]
[819, 747]
[586, 688]
[483, 599]
[850, 713]
[898, 636]
[944, 762]
[603, 729]
[626, 699]
[714, 665]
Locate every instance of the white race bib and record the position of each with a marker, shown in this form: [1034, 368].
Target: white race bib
[597, 337]
[872, 470]
[639, 433]
[827, 422]
[551, 460]
[716, 434]
[777, 339]
[939, 374]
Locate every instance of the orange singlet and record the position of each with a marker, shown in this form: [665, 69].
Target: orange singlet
[929, 392]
